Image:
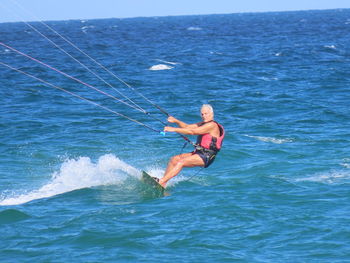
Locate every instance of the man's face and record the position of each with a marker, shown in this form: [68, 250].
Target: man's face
[207, 115]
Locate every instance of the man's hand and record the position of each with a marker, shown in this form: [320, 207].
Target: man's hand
[169, 129]
[171, 119]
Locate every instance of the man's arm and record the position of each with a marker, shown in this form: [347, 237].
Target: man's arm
[181, 124]
[191, 130]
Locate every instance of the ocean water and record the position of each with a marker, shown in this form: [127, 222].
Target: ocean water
[278, 191]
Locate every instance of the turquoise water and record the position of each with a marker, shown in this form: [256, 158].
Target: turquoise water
[278, 191]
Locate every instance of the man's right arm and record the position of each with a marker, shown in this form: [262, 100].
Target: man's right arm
[181, 124]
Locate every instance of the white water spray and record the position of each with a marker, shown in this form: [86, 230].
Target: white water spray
[77, 174]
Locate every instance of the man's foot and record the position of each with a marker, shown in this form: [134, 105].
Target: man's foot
[160, 181]
[156, 179]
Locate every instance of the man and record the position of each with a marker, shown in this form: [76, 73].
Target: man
[209, 141]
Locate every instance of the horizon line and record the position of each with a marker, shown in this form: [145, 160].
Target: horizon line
[160, 16]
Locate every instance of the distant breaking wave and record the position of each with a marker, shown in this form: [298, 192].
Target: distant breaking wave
[270, 139]
[331, 177]
[4, 51]
[164, 66]
[194, 28]
[268, 79]
[160, 67]
[346, 163]
[86, 28]
[168, 62]
[330, 46]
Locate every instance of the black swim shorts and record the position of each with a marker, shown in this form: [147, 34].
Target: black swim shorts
[207, 157]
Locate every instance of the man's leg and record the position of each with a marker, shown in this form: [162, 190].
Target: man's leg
[174, 160]
[177, 163]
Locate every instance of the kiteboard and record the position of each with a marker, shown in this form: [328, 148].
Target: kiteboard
[150, 181]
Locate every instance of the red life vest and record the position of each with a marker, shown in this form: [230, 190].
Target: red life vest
[210, 142]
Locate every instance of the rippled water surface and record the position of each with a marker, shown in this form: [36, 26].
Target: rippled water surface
[70, 170]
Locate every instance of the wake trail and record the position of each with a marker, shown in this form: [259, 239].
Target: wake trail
[77, 174]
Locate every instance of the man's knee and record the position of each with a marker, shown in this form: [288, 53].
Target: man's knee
[175, 159]
[178, 160]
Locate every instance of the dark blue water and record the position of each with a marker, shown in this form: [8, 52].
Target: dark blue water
[278, 191]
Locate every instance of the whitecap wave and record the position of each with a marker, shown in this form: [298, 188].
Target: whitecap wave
[86, 28]
[330, 46]
[77, 174]
[215, 53]
[331, 177]
[194, 28]
[160, 67]
[168, 62]
[4, 51]
[346, 163]
[268, 79]
[271, 139]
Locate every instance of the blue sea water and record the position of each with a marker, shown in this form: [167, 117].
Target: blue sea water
[278, 191]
